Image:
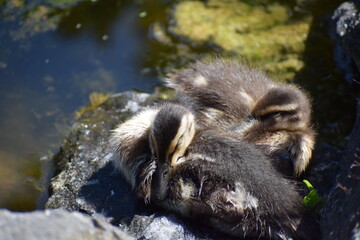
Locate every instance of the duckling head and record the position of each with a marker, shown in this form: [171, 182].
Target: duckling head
[283, 115]
[283, 107]
[170, 135]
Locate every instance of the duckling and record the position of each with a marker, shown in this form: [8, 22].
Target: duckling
[130, 142]
[227, 183]
[133, 142]
[246, 102]
[280, 124]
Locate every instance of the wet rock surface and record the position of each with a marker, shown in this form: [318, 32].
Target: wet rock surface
[56, 224]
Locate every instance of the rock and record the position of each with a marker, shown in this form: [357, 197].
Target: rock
[324, 167]
[56, 224]
[341, 213]
[345, 31]
[170, 227]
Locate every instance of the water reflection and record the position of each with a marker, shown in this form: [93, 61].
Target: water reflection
[46, 77]
[97, 17]
[18, 179]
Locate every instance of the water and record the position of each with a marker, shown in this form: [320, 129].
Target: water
[46, 77]
[53, 54]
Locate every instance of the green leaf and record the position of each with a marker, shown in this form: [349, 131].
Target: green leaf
[312, 199]
[308, 185]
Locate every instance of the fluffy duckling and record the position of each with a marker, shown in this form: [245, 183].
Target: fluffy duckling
[208, 175]
[130, 143]
[244, 101]
[134, 143]
[222, 181]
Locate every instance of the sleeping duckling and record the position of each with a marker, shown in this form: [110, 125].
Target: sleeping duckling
[244, 101]
[130, 143]
[133, 142]
[222, 181]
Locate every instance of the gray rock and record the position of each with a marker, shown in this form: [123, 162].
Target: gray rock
[345, 31]
[56, 225]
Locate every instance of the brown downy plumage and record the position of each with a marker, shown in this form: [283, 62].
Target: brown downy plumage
[228, 95]
[222, 181]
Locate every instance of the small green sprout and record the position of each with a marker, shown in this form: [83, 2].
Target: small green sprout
[312, 200]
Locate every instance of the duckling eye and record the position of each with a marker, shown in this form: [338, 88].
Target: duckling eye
[273, 115]
[276, 114]
[179, 158]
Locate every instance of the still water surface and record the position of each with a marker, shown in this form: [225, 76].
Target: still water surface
[45, 77]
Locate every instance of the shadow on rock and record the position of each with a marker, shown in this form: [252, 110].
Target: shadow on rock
[107, 193]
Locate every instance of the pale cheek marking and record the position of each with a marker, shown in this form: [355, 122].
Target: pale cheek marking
[304, 153]
[125, 136]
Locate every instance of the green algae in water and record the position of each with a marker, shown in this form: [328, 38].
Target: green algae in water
[95, 100]
[263, 35]
[36, 16]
